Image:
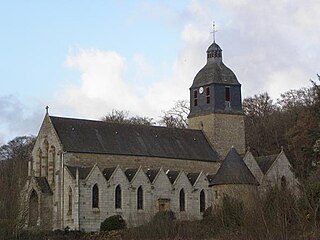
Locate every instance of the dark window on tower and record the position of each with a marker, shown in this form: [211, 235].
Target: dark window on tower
[202, 201]
[70, 201]
[208, 95]
[95, 196]
[140, 198]
[118, 197]
[195, 98]
[182, 201]
[227, 94]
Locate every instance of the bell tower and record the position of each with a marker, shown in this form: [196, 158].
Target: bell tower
[215, 104]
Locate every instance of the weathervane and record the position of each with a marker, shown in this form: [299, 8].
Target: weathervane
[214, 32]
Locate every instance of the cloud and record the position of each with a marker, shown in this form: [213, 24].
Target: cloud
[273, 43]
[16, 118]
[271, 46]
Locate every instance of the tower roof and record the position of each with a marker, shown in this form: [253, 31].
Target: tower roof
[214, 47]
[215, 71]
[233, 171]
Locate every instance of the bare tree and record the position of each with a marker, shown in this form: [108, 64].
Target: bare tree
[120, 116]
[14, 157]
[177, 115]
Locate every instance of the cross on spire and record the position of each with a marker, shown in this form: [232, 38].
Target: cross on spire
[214, 32]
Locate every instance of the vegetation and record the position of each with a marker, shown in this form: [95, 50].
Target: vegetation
[115, 222]
[292, 122]
[14, 157]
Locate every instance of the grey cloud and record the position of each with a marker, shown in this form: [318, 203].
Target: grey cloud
[16, 118]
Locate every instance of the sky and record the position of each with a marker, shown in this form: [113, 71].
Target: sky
[84, 58]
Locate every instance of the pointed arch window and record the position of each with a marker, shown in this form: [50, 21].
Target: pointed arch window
[140, 198]
[118, 200]
[202, 201]
[33, 209]
[182, 200]
[70, 201]
[44, 166]
[95, 196]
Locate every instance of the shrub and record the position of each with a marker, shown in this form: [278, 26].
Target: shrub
[208, 214]
[114, 222]
[232, 211]
[166, 216]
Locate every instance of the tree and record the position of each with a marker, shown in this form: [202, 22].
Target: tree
[177, 115]
[263, 124]
[120, 116]
[292, 122]
[14, 157]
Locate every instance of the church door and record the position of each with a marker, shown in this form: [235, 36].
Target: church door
[164, 204]
[33, 209]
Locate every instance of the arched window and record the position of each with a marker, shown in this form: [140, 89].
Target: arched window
[202, 201]
[140, 198]
[95, 196]
[44, 166]
[182, 201]
[33, 209]
[283, 182]
[39, 163]
[118, 197]
[70, 201]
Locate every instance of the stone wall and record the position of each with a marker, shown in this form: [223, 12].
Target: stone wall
[153, 193]
[243, 192]
[222, 130]
[280, 170]
[125, 161]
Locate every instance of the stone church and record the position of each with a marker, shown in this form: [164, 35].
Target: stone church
[84, 171]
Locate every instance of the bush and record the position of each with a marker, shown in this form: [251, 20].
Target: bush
[208, 214]
[166, 216]
[232, 211]
[115, 222]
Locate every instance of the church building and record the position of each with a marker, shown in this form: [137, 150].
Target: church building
[84, 171]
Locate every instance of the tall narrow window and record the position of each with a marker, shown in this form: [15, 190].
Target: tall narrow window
[140, 198]
[227, 94]
[70, 201]
[195, 98]
[33, 209]
[95, 196]
[202, 201]
[182, 201]
[118, 197]
[208, 95]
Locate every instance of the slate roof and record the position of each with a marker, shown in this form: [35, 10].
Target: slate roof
[172, 175]
[193, 177]
[43, 185]
[210, 177]
[152, 173]
[107, 172]
[88, 136]
[233, 171]
[213, 47]
[130, 173]
[265, 162]
[83, 171]
[215, 72]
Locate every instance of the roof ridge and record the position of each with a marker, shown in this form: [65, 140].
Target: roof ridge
[124, 123]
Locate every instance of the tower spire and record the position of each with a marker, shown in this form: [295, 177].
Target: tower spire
[214, 31]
